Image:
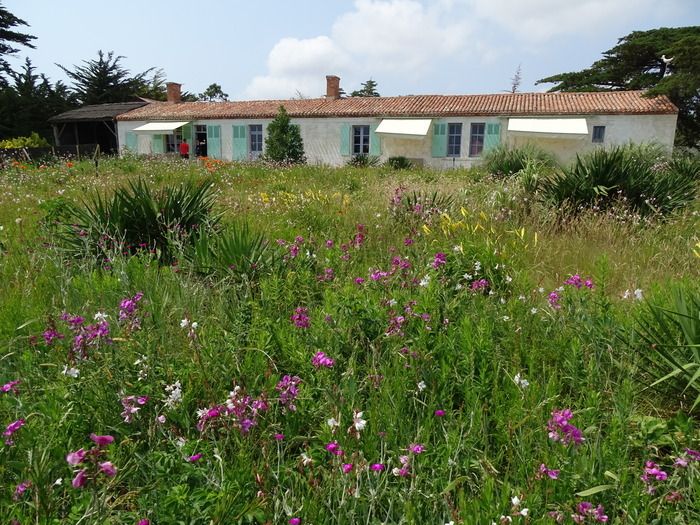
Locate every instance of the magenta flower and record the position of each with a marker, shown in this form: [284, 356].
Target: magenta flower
[347, 468]
[300, 317]
[320, 359]
[652, 473]
[439, 413]
[279, 437]
[334, 448]
[101, 441]
[561, 430]
[76, 458]
[553, 299]
[107, 468]
[544, 471]
[11, 429]
[479, 284]
[377, 467]
[144, 522]
[80, 479]
[440, 259]
[195, 457]
[50, 335]
[416, 448]
[294, 521]
[288, 387]
[10, 387]
[21, 489]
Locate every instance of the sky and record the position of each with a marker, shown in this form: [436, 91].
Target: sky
[281, 49]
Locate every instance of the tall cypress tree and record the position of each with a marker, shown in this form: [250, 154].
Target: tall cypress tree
[284, 142]
[8, 37]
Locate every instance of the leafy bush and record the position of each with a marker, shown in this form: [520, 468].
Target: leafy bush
[135, 218]
[673, 352]
[284, 142]
[363, 161]
[636, 176]
[505, 160]
[32, 141]
[399, 163]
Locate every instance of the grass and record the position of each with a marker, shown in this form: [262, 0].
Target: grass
[426, 351]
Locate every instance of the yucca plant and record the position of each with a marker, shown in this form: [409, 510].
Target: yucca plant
[364, 161]
[673, 339]
[135, 218]
[505, 160]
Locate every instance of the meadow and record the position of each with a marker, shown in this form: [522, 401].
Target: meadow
[341, 346]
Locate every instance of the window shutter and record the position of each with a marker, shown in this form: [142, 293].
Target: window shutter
[493, 136]
[214, 142]
[132, 143]
[345, 139]
[240, 143]
[439, 139]
[375, 141]
[187, 133]
[157, 145]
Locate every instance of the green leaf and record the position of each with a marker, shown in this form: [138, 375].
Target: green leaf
[594, 490]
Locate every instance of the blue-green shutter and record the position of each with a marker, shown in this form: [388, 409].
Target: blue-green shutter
[214, 142]
[157, 145]
[439, 139]
[132, 142]
[187, 134]
[493, 136]
[240, 143]
[345, 139]
[375, 142]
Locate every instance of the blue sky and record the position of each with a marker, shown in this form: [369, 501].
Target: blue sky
[274, 49]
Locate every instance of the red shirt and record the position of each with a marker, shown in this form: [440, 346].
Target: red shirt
[184, 148]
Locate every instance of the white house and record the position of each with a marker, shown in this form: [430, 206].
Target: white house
[433, 130]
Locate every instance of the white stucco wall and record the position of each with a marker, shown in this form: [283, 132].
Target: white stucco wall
[322, 137]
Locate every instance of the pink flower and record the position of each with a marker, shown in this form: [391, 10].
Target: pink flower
[101, 441]
[439, 413]
[416, 448]
[144, 522]
[76, 458]
[80, 479]
[320, 359]
[195, 457]
[294, 521]
[439, 260]
[347, 468]
[300, 317]
[10, 387]
[376, 467]
[108, 469]
[544, 471]
[279, 437]
[334, 448]
[11, 429]
[21, 489]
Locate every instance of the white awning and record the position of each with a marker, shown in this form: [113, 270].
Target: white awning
[159, 128]
[552, 126]
[404, 128]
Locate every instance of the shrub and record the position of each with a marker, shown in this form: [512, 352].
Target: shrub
[135, 218]
[505, 160]
[399, 163]
[636, 176]
[363, 161]
[284, 142]
[32, 141]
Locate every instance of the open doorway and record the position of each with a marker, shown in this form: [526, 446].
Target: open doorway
[200, 140]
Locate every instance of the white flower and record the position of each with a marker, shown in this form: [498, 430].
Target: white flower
[358, 422]
[467, 276]
[58, 481]
[18, 220]
[101, 316]
[306, 460]
[180, 442]
[184, 323]
[540, 289]
[391, 302]
[638, 294]
[161, 419]
[422, 386]
[515, 500]
[458, 286]
[524, 512]
[521, 297]
[627, 294]
[477, 266]
[509, 278]
[457, 248]
[194, 325]
[506, 318]
[175, 396]
[332, 422]
[520, 381]
[425, 281]
[70, 372]
[533, 311]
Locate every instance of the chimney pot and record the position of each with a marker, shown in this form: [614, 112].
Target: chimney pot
[173, 91]
[332, 87]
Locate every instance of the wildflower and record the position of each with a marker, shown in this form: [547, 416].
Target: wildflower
[329, 243]
[400, 472]
[107, 468]
[288, 387]
[21, 489]
[11, 429]
[294, 521]
[638, 295]
[439, 413]
[195, 457]
[416, 448]
[306, 460]
[300, 317]
[520, 381]
[359, 280]
[80, 479]
[585, 509]
[320, 359]
[533, 311]
[160, 419]
[652, 472]
[479, 284]
[334, 448]
[279, 437]
[144, 522]
[425, 281]
[376, 467]
[127, 311]
[100, 316]
[553, 299]
[358, 424]
[174, 396]
[561, 430]
[543, 471]
[440, 259]
[10, 387]
[347, 468]
[131, 405]
[75, 458]
[101, 441]
[50, 335]
[421, 386]
[332, 422]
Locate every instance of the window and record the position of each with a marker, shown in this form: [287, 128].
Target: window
[360, 140]
[454, 140]
[172, 142]
[476, 139]
[598, 133]
[255, 132]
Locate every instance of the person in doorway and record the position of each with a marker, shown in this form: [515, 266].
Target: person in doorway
[184, 149]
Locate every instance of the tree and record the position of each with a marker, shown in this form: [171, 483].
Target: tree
[105, 80]
[369, 89]
[516, 80]
[9, 37]
[213, 93]
[636, 63]
[284, 143]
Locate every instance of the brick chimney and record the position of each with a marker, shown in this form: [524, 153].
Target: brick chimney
[173, 91]
[332, 87]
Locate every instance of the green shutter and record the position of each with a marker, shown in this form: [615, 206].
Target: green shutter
[157, 145]
[345, 139]
[240, 143]
[132, 142]
[187, 133]
[493, 136]
[439, 139]
[214, 142]
[375, 142]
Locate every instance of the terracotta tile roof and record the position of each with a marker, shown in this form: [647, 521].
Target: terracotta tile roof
[503, 104]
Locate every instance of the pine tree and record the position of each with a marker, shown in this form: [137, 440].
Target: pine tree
[284, 143]
[369, 89]
[9, 37]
